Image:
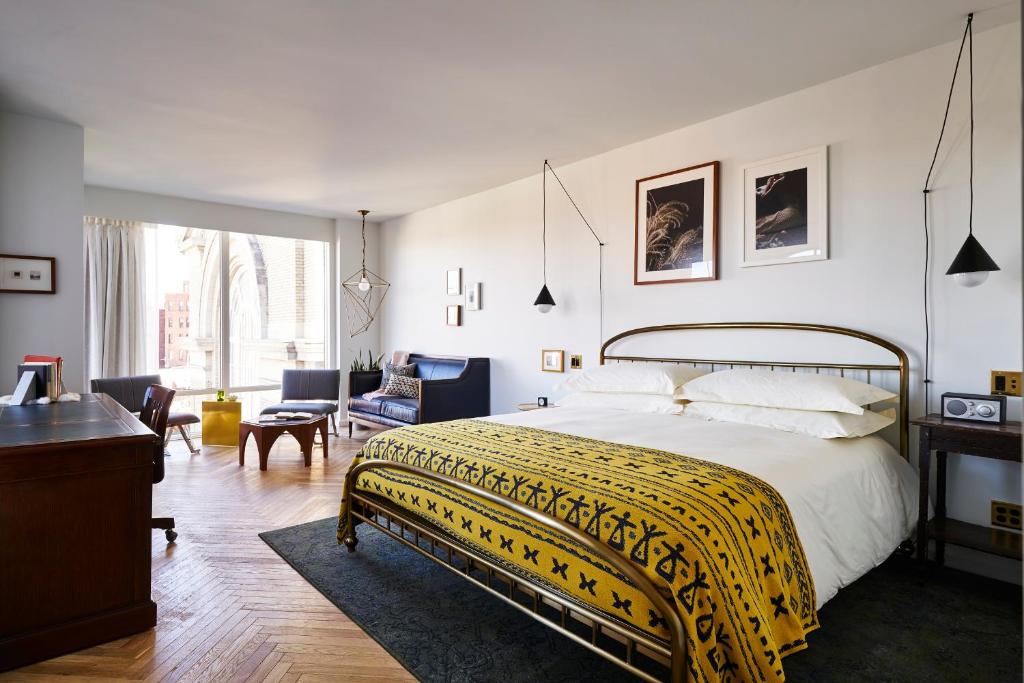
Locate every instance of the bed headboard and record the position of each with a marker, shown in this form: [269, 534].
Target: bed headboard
[892, 374]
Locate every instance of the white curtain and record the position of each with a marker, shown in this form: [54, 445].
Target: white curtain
[115, 258]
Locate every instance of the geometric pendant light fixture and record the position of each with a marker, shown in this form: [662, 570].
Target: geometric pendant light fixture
[364, 293]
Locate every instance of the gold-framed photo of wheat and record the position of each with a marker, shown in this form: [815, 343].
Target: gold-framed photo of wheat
[676, 236]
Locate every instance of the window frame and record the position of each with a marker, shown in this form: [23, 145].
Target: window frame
[223, 371]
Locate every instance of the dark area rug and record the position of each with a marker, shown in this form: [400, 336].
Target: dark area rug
[898, 623]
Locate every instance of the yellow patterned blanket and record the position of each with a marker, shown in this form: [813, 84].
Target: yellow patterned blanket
[720, 540]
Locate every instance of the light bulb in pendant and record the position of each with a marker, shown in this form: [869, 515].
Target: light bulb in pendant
[364, 284]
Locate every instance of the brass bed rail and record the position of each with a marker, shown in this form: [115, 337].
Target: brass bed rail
[364, 507]
[673, 650]
[901, 366]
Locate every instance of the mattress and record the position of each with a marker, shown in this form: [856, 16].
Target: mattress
[853, 501]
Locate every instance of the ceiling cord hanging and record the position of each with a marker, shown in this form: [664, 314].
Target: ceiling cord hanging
[364, 212]
[544, 234]
[927, 189]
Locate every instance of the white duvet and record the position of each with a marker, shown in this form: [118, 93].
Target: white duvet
[853, 500]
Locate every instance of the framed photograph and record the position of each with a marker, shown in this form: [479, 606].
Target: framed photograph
[676, 236]
[453, 315]
[785, 209]
[552, 360]
[473, 296]
[453, 281]
[28, 274]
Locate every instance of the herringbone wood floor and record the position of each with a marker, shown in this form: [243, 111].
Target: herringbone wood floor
[228, 607]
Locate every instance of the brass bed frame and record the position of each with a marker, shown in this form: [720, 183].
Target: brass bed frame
[615, 640]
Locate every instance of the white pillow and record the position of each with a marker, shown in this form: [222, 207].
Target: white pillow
[636, 403]
[634, 378]
[795, 390]
[822, 424]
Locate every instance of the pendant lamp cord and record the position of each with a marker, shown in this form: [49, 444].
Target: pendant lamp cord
[364, 245]
[968, 33]
[544, 234]
[600, 245]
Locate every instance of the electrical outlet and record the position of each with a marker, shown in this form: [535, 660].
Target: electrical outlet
[1006, 382]
[576, 361]
[1006, 515]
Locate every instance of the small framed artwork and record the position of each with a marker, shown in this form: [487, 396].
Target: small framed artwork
[453, 315]
[676, 238]
[453, 281]
[28, 274]
[785, 209]
[552, 360]
[473, 296]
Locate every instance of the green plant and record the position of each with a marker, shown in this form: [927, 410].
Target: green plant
[371, 365]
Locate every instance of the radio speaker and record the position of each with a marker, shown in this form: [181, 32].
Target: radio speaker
[974, 407]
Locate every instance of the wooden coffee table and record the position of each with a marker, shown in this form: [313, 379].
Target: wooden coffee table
[265, 433]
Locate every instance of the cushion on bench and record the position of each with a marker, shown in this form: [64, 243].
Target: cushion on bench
[320, 408]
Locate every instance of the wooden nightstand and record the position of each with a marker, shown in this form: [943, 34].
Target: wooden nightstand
[999, 442]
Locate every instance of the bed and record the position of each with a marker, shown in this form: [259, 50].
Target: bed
[590, 541]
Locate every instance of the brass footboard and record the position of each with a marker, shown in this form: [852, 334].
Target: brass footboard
[616, 641]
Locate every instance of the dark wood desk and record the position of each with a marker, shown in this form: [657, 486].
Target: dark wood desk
[75, 507]
[983, 440]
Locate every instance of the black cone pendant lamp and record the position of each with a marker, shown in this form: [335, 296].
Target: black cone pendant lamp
[544, 301]
[972, 263]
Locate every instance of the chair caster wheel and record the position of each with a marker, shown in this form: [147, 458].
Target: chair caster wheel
[171, 534]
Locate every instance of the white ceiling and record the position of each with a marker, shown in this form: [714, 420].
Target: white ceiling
[325, 106]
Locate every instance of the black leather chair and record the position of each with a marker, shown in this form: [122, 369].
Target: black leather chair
[130, 392]
[312, 391]
[156, 408]
[451, 388]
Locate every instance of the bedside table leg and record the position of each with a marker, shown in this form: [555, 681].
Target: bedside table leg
[923, 466]
[940, 505]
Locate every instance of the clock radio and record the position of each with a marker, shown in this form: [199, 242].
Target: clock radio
[974, 407]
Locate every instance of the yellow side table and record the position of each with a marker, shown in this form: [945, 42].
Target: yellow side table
[220, 422]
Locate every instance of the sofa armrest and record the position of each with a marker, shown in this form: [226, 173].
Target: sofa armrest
[364, 381]
[468, 395]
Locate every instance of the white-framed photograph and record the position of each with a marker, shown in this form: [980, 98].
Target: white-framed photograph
[473, 296]
[552, 360]
[453, 315]
[453, 281]
[785, 209]
[28, 274]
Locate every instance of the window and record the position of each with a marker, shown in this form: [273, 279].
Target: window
[277, 317]
[260, 305]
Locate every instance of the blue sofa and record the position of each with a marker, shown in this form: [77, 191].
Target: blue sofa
[452, 387]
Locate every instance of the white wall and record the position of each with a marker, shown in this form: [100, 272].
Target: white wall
[41, 166]
[880, 125]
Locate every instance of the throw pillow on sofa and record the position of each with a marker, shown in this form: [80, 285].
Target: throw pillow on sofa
[400, 385]
[390, 369]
